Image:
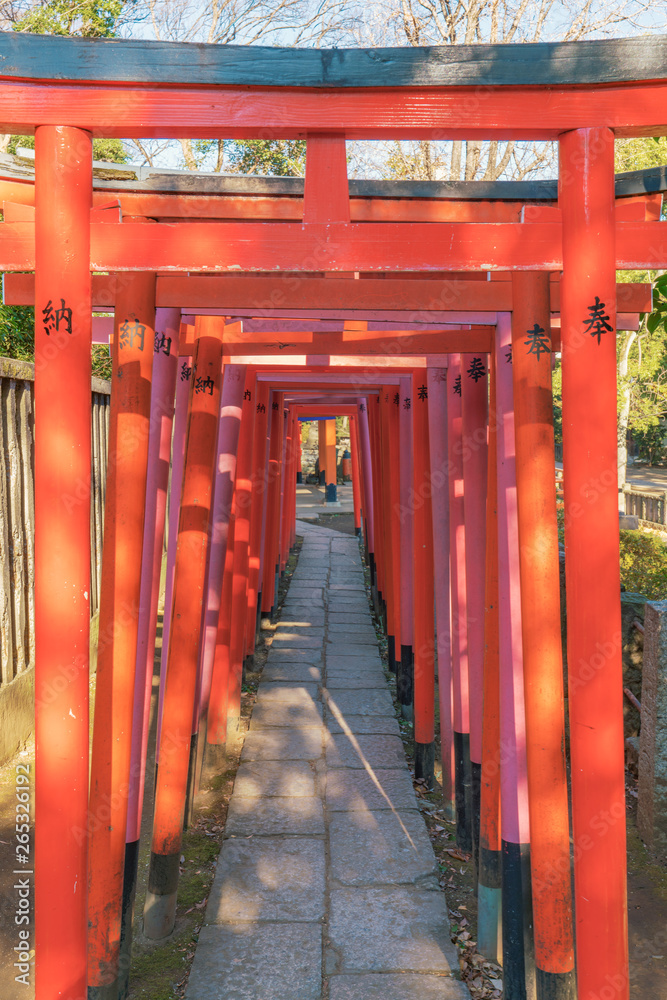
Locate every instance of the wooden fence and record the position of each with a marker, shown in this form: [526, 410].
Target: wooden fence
[651, 507]
[17, 510]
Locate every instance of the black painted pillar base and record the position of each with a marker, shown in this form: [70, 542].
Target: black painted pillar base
[248, 665]
[109, 992]
[130, 870]
[391, 653]
[463, 791]
[476, 801]
[517, 914]
[405, 682]
[160, 908]
[556, 985]
[188, 812]
[299, 478]
[332, 493]
[357, 532]
[258, 618]
[489, 906]
[323, 477]
[425, 762]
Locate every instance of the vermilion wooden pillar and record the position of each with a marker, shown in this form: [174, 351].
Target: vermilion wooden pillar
[365, 463]
[404, 679]
[463, 777]
[356, 477]
[374, 426]
[63, 198]
[271, 568]
[165, 364]
[424, 648]
[394, 519]
[489, 876]
[129, 422]
[474, 416]
[183, 662]
[437, 436]
[243, 499]
[541, 626]
[594, 647]
[258, 487]
[216, 720]
[231, 401]
[518, 952]
[322, 450]
[331, 471]
[385, 474]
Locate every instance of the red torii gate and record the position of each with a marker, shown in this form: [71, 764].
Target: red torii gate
[56, 84]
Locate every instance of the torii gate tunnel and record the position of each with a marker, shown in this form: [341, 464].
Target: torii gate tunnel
[428, 315]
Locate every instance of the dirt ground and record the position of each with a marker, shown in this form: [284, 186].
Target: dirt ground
[337, 522]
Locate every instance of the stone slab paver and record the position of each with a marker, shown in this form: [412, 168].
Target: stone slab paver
[380, 848]
[292, 777]
[363, 701]
[363, 724]
[268, 878]
[263, 962]
[326, 856]
[386, 788]
[292, 673]
[286, 816]
[283, 744]
[282, 714]
[396, 986]
[361, 751]
[390, 929]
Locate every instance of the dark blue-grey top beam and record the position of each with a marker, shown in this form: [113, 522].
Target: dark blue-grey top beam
[621, 60]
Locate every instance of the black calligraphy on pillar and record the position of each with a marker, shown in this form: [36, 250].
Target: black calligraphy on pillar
[397, 398]
[162, 343]
[508, 355]
[274, 406]
[204, 384]
[422, 392]
[362, 407]
[407, 403]
[261, 408]
[598, 321]
[54, 319]
[476, 370]
[457, 385]
[538, 342]
[186, 372]
[247, 394]
[129, 332]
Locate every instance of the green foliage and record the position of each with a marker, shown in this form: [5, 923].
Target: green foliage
[86, 18]
[17, 339]
[268, 157]
[644, 564]
[640, 154]
[109, 150]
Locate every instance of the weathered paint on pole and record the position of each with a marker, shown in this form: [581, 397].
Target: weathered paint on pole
[463, 775]
[165, 364]
[594, 645]
[518, 952]
[129, 422]
[437, 436]
[63, 198]
[489, 879]
[423, 570]
[474, 418]
[541, 628]
[183, 662]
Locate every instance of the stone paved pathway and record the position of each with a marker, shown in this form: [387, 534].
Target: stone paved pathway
[326, 885]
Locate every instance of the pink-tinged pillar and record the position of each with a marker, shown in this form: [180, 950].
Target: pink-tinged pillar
[404, 677]
[165, 364]
[594, 646]
[474, 417]
[437, 416]
[518, 960]
[463, 776]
